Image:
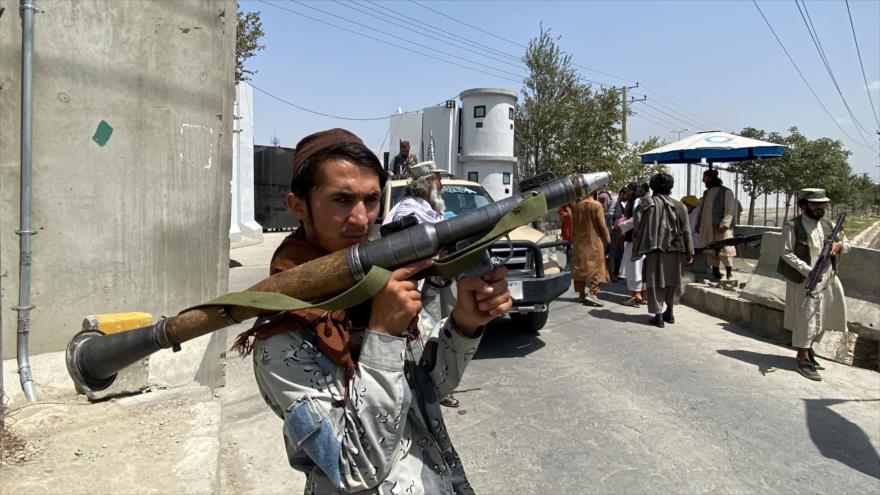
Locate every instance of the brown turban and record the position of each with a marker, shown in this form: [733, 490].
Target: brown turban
[318, 141]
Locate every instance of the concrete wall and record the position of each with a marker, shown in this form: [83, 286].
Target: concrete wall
[141, 221]
[243, 226]
[858, 274]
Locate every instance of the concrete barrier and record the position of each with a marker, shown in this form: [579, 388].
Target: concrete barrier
[858, 271]
[749, 252]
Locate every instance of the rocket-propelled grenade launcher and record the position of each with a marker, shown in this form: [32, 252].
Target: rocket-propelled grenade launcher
[94, 359]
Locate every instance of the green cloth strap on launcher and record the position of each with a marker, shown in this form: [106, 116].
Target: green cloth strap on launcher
[527, 211]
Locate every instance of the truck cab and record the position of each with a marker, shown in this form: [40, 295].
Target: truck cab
[538, 265]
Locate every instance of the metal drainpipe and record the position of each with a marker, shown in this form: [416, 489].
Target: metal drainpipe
[25, 232]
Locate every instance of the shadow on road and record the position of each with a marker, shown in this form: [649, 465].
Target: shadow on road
[608, 314]
[503, 340]
[766, 363]
[840, 439]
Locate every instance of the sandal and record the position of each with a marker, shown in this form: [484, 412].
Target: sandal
[449, 401]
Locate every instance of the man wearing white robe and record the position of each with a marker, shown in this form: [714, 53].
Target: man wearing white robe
[804, 237]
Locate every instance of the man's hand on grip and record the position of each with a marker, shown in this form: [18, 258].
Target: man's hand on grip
[395, 306]
[480, 300]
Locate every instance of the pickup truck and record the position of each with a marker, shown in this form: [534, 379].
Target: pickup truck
[538, 265]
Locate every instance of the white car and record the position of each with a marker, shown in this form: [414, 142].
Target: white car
[537, 263]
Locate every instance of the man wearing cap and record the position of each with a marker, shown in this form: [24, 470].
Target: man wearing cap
[803, 238]
[356, 389]
[402, 161]
[424, 201]
[717, 218]
[423, 198]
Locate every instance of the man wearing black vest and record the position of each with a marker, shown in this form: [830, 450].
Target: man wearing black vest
[804, 236]
[717, 217]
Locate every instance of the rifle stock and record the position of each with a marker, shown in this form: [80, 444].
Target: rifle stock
[94, 359]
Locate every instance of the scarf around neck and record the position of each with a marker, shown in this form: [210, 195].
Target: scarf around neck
[332, 328]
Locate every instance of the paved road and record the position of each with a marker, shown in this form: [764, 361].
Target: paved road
[599, 402]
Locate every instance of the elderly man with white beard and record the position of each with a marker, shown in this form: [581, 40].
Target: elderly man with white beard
[423, 197]
[424, 201]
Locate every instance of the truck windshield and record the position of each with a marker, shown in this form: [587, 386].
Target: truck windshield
[459, 198]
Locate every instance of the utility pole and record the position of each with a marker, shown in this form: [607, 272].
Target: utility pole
[625, 102]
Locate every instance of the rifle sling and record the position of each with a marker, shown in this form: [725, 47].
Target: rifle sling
[527, 211]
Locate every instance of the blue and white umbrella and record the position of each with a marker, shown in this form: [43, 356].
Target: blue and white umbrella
[713, 146]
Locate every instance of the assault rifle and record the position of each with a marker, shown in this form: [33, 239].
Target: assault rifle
[94, 359]
[824, 260]
[752, 240]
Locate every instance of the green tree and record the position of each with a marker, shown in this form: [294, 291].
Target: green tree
[545, 114]
[813, 163]
[247, 42]
[629, 166]
[564, 126]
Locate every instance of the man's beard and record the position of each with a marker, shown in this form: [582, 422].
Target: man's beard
[817, 215]
[436, 200]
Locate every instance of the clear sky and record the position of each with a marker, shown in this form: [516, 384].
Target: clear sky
[704, 65]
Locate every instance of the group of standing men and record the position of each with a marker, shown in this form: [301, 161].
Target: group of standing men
[656, 241]
[649, 236]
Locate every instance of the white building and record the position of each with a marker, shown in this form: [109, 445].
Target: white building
[473, 140]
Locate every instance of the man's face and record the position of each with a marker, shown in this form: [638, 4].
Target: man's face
[404, 149]
[706, 179]
[342, 206]
[689, 207]
[815, 210]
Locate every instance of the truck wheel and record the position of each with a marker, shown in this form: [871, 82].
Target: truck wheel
[529, 322]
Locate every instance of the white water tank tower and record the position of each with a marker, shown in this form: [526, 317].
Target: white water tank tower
[487, 139]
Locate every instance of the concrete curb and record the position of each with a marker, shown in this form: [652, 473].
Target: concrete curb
[856, 348]
[866, 236]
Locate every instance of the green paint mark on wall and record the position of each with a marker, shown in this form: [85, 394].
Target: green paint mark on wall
[102, 133]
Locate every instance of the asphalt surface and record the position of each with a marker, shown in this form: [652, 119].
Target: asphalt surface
[600, 402]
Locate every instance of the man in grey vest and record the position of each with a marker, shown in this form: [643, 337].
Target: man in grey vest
[804, 236]
[716, 219]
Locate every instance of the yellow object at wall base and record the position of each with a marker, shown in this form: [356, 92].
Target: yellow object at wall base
[111, 323]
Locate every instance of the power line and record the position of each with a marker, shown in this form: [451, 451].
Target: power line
[859, 52]
[714, 125]
[687, 123]
[666, 122]
[309, 110]
[303, 4]
[443, 31]
[384, 18]
[652, 121]
[388, 42]
[804, 79]
[516, 43]
[814, 34]
[477, 44]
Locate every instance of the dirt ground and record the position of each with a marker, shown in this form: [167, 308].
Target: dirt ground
[68, 446]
